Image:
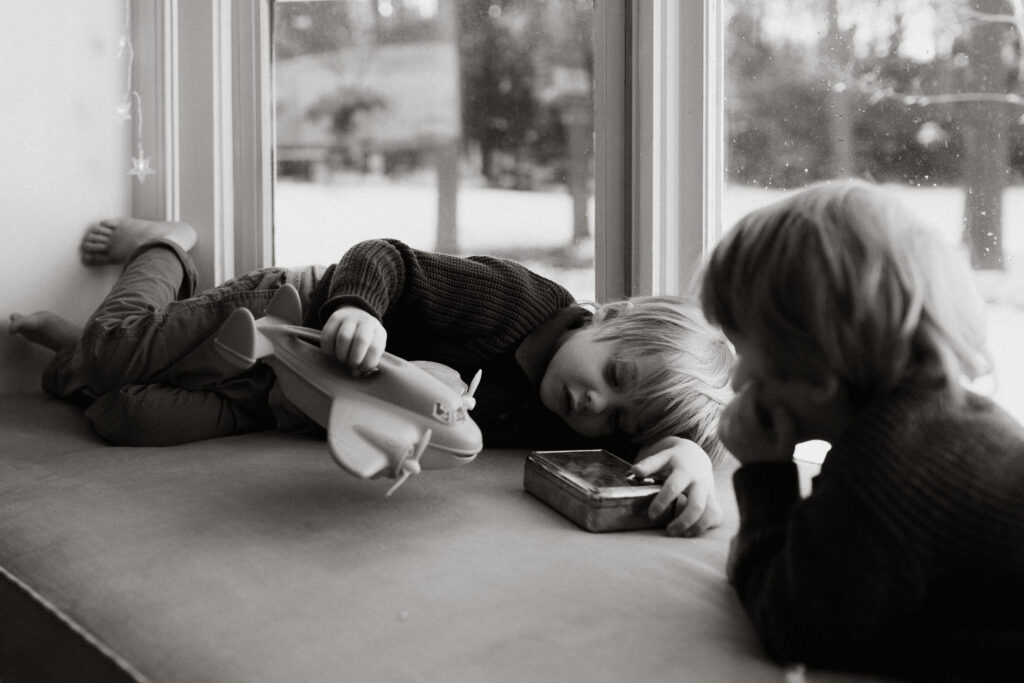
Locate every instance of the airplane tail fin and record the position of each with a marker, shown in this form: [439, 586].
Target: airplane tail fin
[238, 342]
[286, 305]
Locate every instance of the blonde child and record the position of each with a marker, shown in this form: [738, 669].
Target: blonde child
[854, 324]
[647, 373]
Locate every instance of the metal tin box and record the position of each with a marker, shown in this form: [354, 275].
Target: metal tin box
[593, 488]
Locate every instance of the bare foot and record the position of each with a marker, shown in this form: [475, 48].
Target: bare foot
[113, 240]
[46, 329]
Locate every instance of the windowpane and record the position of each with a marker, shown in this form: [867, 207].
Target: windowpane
[920, 95]
[461, 126]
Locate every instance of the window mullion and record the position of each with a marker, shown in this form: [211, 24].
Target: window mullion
[194, 180]
[155, 79]
[253, 135]
[612, 150]
[676, 165]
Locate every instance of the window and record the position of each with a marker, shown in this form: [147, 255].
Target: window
[793, 74]
[654, 150]
[920, 95]
[461, 126]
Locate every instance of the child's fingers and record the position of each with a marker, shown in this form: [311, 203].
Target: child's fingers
[343, 340]
[704, 523]
[677, 482]
[696, 504]
[354, 337]
[328, 335]
[367, 345]
[745, 426]
[376, 350]
[357, 349]
[705, 516]
[651, 464]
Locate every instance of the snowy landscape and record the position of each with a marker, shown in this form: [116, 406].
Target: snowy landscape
[317, 222]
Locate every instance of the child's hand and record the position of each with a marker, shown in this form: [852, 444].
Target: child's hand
[355, 337]
[690, 483]
[755, 429]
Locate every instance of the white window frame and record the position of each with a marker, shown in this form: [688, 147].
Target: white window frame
[676, 132]
[203, 69]
[183, 73]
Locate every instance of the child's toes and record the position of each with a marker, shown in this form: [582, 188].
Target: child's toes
[108, 225]
[93, 253]
[95, 245]
[98, 232]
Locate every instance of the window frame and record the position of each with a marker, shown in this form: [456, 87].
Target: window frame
[183, 72]
[658, 132]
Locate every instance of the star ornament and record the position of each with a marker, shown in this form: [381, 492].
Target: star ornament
[140, 168]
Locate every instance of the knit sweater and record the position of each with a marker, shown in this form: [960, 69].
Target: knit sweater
[469, 313]
[908, 555]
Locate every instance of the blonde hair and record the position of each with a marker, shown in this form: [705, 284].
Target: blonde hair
[840, 277]
[691, 360]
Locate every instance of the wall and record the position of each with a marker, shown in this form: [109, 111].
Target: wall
[63, 158]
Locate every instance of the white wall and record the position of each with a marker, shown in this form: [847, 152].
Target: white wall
[63, 157]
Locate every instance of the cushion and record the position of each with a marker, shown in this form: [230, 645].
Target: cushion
[255, 558]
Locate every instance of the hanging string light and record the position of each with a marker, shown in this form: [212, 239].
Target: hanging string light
[140, 162]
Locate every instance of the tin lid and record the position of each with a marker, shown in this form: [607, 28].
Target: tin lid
[595, 474]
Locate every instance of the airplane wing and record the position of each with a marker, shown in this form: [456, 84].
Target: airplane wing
[362, 449]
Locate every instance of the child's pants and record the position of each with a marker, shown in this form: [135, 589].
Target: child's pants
[146, 358]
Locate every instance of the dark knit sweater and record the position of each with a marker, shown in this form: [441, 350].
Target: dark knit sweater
[467, 313]
[908, 556]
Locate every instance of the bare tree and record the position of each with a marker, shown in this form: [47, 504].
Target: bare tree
[985, 99]
[986, 128]
[840, 97]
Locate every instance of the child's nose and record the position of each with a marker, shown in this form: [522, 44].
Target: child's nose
[596, 402]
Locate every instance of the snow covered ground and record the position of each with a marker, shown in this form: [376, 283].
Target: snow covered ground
[316, 223]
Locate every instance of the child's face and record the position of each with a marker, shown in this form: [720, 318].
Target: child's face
[769, 407]
[587, 389]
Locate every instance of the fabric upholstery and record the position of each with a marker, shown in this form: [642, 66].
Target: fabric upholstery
[254, 558]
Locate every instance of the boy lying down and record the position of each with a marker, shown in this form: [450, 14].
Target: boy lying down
[644, 377]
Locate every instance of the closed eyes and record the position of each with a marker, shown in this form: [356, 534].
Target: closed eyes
[614, 374]
[620, 374]
[611, 374]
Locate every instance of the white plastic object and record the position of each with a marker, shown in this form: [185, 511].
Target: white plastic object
[393, 422]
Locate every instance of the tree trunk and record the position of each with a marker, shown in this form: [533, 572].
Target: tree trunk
[837, 57]
[578, 121]
[986, 141]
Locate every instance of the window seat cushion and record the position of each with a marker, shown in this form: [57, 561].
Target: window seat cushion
[254, 558]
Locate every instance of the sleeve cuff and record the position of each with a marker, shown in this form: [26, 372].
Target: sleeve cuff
[334, 303]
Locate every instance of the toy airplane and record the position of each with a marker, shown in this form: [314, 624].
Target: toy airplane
[395, 421]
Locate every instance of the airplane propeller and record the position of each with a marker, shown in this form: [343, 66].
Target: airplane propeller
[411, 465]
[468, 402]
